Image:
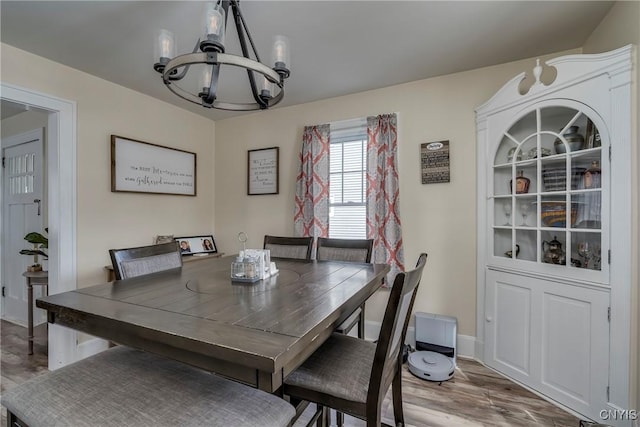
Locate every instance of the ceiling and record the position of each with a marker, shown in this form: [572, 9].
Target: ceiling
[337, 47]
[10, 109]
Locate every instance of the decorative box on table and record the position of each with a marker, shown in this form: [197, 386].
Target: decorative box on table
[251, 265]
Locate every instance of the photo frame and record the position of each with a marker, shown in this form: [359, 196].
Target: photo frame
[142, 167]
[263, 171]
[197, 245]
[591, 135]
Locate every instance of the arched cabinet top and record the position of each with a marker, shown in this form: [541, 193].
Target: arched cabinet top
[570, 70]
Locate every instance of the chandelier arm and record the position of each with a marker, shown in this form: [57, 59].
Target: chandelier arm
[237, 16]
[246, 30]
[212, 93]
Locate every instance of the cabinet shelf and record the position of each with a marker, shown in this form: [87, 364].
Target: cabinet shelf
[585, 230]
[556, 207]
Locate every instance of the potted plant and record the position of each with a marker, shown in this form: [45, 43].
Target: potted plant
[39, 243]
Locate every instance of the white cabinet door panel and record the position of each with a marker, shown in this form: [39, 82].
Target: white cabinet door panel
[551, 336]
[513, 326]
[575, 346]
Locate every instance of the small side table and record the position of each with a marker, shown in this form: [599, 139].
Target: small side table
[34, 278]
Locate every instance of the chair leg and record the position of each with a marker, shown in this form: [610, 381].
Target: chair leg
[317, 418]
[321, 421]
[361, 323]
[340, 418]
[396, 391]
[326, 417]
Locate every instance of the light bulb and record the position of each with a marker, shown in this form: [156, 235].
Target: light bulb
[266, 88]
[280, 52]
[165, 45]
[214, 20]
[206, 77]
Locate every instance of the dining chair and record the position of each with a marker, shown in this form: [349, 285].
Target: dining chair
[350, 250]
[289, 247]
[352, 375]
[133, 262]
[123, 386]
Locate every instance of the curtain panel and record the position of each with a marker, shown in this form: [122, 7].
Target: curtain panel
[311, 216]
[383, 193]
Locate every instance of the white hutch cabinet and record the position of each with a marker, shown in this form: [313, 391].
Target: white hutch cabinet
[554, 231]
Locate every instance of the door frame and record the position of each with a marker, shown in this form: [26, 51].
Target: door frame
[61, 196]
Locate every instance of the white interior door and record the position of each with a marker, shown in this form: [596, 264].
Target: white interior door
[21, 213]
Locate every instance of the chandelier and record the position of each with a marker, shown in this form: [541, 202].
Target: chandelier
[267, 84]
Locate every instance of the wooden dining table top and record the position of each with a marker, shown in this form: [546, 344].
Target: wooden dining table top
[255, 333]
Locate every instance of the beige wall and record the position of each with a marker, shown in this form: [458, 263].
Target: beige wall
[439, 219]
[620, 27]
[105, 219]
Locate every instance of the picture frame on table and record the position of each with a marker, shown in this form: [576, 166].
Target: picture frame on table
[197, 245]
[263, 171]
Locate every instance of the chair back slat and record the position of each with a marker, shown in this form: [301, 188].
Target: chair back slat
[388, 357]
[142, 260]
[289, 247]
[352, 250]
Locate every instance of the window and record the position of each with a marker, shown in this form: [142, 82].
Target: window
[347, 180]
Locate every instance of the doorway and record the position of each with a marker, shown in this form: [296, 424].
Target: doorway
[61, 197]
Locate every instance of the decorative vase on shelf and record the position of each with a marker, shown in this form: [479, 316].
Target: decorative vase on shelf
[575, 141]
[522, 183]
[592, 175]
[512, 153]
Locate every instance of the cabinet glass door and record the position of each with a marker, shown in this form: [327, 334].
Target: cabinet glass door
[547, 190]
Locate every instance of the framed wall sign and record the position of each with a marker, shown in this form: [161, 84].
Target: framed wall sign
[434, 162]
[194, 245]
[141, 167]
[263, 171]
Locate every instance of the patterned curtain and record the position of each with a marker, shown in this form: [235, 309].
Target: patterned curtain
[311, 216]
[383, 195]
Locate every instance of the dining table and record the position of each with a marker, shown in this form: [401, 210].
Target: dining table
[254, 333]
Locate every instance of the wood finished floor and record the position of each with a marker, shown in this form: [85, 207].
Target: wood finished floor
[476, 396]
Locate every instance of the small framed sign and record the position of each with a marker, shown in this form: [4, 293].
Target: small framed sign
[263, 171]
[434, 162]
[195, 245]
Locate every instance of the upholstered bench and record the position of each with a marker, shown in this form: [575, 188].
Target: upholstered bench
[126, 387]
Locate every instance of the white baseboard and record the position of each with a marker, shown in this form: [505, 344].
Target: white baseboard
[466, 345]
[91, 347]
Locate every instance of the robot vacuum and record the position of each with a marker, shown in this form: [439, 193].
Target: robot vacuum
[431, 366]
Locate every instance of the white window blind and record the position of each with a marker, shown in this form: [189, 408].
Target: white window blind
[347, 181]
